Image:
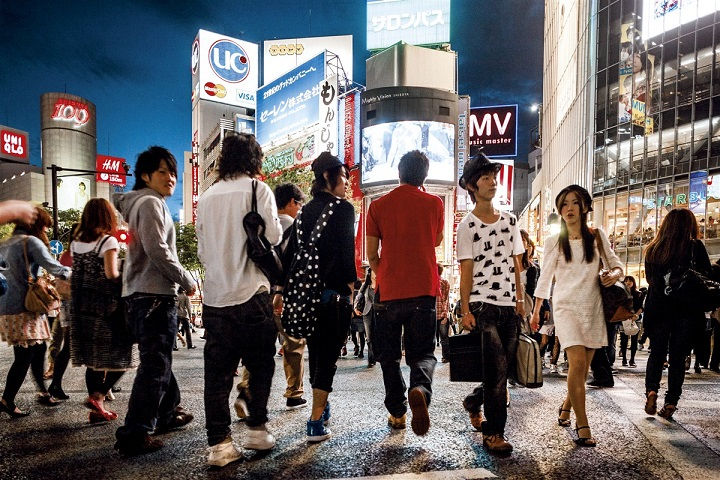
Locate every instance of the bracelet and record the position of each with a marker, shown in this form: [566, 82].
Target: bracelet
[520, 300]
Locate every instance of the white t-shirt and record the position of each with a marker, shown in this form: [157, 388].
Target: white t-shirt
[84, 247]
[491, 247]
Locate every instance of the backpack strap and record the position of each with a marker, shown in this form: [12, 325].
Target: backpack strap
[99, 246]
[322, 222]
[253, 207]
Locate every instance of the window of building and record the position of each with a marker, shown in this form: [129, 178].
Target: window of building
[608, 216]
[712, 206]
[602, 39]
[601, 101]
[697, 197]
[634, 221]
[686, 69]
[649, 213]
[621, 223]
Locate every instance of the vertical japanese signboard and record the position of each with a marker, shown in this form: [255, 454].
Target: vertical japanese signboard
[328, 105]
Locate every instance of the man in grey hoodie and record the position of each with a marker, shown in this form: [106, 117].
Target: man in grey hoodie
[151, 275]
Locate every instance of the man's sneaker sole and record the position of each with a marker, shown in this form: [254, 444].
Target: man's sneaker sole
[420, 422]
[225, 458]
[261, 442]
[319, 438]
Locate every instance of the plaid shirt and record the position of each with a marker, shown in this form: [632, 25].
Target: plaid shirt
[442, 302]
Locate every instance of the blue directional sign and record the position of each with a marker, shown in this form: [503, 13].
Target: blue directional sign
[56, 247]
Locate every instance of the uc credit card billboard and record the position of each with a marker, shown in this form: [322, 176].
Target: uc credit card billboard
[224, 69]
[289, 103]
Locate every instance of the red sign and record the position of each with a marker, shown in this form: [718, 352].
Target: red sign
[350, 131]
[195, 175]
[71, 111]
[110, 170]
[14, 144]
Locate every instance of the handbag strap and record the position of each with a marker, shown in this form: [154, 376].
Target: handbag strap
[253, 207]
[99, 246]
[27, 262]
[601, 248]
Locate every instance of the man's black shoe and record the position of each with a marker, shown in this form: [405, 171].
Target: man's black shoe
[179, 419]
[141, 446]
[715, 369]
[293, 403]
[597, 384]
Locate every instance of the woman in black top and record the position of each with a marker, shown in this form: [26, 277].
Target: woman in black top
[670, 323]
[638, 299]
[336, 249]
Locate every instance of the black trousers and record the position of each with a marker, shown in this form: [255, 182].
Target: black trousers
[185, 329]
[326, 341]
[98, 381]
[25, 358]
[604, 357]
[673, 338]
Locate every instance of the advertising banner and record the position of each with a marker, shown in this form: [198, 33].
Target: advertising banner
[659, 16]
[495, 129]
[295, 153]
[225, 70]
[290, 103]
[463, 107]
[14, 144]
[503, 199]
[634, 74]
[417, 22]
[281, 56]
[328, 107]
[698, 192]
[110, 170]
[349, 129]
[73, 192]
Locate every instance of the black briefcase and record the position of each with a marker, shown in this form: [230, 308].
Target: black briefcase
[466, 358]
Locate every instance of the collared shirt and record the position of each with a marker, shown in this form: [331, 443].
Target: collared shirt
[442, 301]
[231, 277]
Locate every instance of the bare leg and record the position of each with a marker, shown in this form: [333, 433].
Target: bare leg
[579, 359]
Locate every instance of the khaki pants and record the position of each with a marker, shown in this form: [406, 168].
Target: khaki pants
[293, 350]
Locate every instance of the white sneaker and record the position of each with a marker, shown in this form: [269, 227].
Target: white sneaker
[241, 408]
[553, 368]
[110, 396]
[259, 440]
[223, 453]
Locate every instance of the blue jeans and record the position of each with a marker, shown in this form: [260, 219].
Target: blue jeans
[413, 318]
[500, 326]
[152, 320]
[246, 331]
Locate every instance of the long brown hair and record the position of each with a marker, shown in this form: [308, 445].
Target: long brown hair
[98, 218]
[674, 238]
[37, 229]
[587, 236]
[527, 254]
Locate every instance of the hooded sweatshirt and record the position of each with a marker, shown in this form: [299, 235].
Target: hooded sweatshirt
[152, 264]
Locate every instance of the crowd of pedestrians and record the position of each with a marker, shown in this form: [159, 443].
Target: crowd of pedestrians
[401, 308]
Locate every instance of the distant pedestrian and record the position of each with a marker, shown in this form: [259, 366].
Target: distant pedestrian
[336, 252]
[237, 308]
[151, 274]
[184, 309]
[367, 292]
[490, 249]
[671, 324]
[99, 340]
[442, 313]
[638, 300]
[24, 253]
[572, 260]
[407, 224]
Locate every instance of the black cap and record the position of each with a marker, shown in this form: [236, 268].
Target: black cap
[324, 162]
[579, 191]
[478, 163]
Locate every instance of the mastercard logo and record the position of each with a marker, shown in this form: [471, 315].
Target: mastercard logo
[215, 90]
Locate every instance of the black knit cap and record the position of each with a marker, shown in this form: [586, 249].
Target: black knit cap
[324, 162]
[476, 165]
[579, 191]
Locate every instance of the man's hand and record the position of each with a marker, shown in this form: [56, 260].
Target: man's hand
[24, 212]
[277, 304]
[468, 322]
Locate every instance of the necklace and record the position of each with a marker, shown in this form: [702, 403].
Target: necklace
[575, 237]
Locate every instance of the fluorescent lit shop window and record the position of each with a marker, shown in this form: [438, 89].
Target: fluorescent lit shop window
[649, 214]
[659, 16]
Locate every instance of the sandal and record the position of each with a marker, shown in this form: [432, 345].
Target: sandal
[667, 411]
[584, 441]
[13, 411]
[48, 401]
[651, 402]
[563, 422]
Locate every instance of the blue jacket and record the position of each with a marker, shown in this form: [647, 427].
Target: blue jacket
[38, 255]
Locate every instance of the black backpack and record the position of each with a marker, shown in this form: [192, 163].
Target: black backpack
[301, 295]
[264, 255]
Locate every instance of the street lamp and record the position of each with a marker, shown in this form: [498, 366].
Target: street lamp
[537, 107]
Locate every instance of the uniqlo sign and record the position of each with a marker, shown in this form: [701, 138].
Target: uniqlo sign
[110, 170]
[13, 144]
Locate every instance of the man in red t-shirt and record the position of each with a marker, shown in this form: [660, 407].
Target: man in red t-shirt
[408, 224]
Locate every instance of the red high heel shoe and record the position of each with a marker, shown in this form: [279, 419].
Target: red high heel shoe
[104, 416]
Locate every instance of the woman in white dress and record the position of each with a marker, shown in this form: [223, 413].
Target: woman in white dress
[572, 260]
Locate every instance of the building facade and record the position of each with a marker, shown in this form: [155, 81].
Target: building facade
[656, 129]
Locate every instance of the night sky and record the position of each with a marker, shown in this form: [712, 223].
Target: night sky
[132, 59]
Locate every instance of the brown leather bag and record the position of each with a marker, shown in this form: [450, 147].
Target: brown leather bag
[617, 299]
[41, 296]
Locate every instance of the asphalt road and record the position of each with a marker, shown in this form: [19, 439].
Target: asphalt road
[58, 443]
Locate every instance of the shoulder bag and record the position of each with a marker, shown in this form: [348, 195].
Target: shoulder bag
[259, 249]
[41, 296]
[691, 287]
[617, 299]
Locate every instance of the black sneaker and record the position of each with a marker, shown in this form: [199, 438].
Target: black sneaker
[139, 447]
[293, 403]
[597, 384]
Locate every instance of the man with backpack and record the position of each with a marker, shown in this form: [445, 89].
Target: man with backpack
[237, 309]
[489, 249]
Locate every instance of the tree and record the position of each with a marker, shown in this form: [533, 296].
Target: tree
[187, 250]
[66, 219]
[302, 177]
[6, 231]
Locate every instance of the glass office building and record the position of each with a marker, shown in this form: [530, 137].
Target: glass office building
[657, 120]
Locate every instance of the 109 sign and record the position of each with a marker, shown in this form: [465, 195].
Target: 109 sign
[71, 111]
[229, 61]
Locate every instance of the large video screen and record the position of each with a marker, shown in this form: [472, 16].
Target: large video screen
[383, 145]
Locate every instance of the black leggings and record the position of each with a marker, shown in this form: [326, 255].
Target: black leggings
[61, 360]
[101, 382]
[25, 358]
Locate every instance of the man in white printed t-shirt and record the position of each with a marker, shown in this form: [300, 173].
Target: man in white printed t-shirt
[489, 249]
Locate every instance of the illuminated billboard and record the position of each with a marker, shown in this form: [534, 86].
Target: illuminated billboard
[281, 56]
[384, 144]
[14, 144]
[494, 129]
[224, 69]
[662, 15]
[418, 22]
[289, 104]
[110, 170]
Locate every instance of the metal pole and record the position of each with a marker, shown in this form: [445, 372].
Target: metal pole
[54, 170]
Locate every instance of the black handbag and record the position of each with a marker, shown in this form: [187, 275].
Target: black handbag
[616, 299]
[465, 353]
[691, 287]
[259, 249]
